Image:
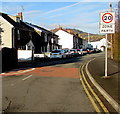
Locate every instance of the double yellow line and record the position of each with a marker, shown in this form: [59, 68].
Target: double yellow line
[87, 85]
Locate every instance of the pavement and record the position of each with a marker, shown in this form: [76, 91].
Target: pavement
[110, 84]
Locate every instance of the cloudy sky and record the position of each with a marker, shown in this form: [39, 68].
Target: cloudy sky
[81, 15]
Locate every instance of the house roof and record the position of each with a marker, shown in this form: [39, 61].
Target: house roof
[17, 25]
[41, 29]
[25, 25]
[69, 31]
[38, 27]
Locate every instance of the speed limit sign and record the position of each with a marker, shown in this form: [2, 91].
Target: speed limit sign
[107, 22]
[107, 18]
[107, 26]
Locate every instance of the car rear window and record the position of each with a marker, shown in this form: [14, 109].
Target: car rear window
[73, 50]
[56, 51]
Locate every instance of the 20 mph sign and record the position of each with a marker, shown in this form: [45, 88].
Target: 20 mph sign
[107, 22]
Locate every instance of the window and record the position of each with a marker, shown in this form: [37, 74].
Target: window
[45, 37]
[30, 34]
[29, 48]
[18, 34]
[22, 47]
[18, 19]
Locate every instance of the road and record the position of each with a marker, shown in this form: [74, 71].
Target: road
[51, 87]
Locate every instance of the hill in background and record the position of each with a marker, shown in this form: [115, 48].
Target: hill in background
[83, 35]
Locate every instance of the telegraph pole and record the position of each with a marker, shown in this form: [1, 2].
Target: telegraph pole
[111, 54]
[88, 38]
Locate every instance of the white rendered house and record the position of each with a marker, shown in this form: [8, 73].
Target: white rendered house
[99, 44]
[65, 39]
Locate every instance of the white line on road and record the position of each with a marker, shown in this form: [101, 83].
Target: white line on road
[27, 77]
[20, 72]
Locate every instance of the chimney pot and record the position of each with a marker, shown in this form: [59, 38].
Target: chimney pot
[20, 13]
[20, 16]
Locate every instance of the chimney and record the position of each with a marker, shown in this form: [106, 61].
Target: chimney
[60, 28]
[20, 16]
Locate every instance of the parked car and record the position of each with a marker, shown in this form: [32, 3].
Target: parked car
[68, 53]
[80, 51]
[85, 51]
[74, 52]
[95, 50]
[59, 53]
[90, 50]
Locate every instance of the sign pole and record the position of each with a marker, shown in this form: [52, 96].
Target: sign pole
[107, 26]
[106, 65]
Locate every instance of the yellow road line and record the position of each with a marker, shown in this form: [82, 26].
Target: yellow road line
[97, 98]
[113, 103]
[89, 96]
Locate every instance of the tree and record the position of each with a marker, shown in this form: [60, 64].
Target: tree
[116, 41]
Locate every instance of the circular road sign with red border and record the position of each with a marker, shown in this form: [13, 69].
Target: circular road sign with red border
[107, 18]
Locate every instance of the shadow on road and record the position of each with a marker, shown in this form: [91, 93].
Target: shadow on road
[46, 62]
[113, 73]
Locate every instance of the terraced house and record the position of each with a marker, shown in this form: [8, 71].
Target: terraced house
[16, 35]
[22, 40]
[44, 40]
[69, 39]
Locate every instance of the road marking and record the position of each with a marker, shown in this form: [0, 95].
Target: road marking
[94, 94]
[18, 72]
[114, 104]
[27, 77]
[2, 73]
[88, 94]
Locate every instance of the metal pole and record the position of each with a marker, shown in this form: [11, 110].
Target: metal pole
[106, 69]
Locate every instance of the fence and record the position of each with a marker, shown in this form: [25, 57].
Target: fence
[9, 59]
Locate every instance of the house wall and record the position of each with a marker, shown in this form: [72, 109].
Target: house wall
[65, 39]
[13, 17]
[6, 35]
[99, 44]
[85, 44]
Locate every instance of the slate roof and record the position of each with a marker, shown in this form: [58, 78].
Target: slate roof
[17, 25]
[43, 29]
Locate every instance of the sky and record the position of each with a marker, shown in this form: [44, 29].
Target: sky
[77, 15]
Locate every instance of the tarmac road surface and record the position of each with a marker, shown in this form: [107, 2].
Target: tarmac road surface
[52, 88]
